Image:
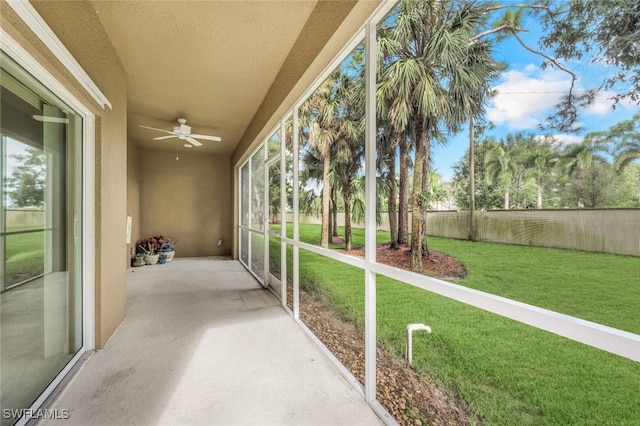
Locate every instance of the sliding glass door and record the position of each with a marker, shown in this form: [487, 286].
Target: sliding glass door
[41, 238]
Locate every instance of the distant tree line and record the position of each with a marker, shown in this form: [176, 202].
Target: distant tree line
[526, 171]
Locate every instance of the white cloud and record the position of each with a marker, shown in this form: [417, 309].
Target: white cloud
[563, 138]
[525, 98]
[601, 105]
[566, 139]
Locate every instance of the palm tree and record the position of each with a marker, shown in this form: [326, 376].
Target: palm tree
[346, 173]
[318, 114]
[386, 167]
[520, 148]
[627, 152]
[334, 117]
[541, 163]
[349, 143]
[391, 140]
[500, 170]
[628, 147]
[403, 188]
[626, 137]
[434, 76]
[400, 136]
[390, 144]
[310, 180]
[437, 190]
[577, 160]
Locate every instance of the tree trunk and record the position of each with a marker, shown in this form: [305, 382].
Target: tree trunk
[346, 197]
[540, 189]
[333, 231]
[403, 193]
[326, 195]
[506, 199]
[425, 188]
[331, 225]
[393, 204]
[518, 192]
[416, 198]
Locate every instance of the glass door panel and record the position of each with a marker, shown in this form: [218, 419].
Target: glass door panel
[40, 248]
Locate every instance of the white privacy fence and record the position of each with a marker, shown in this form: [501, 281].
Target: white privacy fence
[599, 230]
[19, 218]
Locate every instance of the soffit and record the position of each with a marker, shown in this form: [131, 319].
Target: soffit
[211, 62]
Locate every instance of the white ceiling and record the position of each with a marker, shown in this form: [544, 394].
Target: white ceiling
[210, 62]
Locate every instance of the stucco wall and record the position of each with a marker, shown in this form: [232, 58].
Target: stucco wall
[133, 193]
[77, 26]
[187, 200]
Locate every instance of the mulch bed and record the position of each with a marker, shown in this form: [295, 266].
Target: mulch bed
[434, 264]
[410, 398]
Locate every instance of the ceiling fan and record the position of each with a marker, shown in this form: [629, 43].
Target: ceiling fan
[183, 132]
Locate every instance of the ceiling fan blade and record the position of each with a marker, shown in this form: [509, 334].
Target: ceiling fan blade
[192, 141]
[207, 137]
[153, 128]
[164, 137]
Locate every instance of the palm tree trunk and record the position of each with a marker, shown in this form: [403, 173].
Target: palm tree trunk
[425, 188]
[346, 197]
[326, 194]
[331, 224]
[518, 192]
[540, 189]
[416, 198]
[393, 204]
[334, 214]
[403, 193]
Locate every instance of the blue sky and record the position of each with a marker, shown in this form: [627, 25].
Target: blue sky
[527, 95]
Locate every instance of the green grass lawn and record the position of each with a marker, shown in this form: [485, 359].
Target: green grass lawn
[24, 254]
[599, 287]
[510, 373]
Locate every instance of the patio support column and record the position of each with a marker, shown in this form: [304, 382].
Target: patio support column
[265, 212]
[250, 238]
[370, 213]
[283, 214]
[296, 226]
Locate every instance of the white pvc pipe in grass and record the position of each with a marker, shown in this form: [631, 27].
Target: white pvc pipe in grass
[410, 329]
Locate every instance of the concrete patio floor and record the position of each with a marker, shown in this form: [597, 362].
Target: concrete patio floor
[204, 344]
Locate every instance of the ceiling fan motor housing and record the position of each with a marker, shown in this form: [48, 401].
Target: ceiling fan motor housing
[185, 129]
